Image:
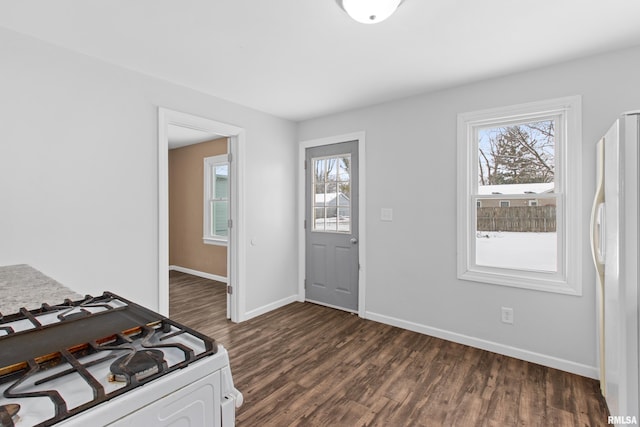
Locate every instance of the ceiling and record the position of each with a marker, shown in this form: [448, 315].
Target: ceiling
[300, 59]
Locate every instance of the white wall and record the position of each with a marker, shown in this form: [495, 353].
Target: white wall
[79, 179]
[411, 162]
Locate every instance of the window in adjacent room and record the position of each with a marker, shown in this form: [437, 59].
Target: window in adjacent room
[519, 196]
[216, 200]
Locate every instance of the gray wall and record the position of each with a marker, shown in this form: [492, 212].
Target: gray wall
[411, 161]
[79, 178]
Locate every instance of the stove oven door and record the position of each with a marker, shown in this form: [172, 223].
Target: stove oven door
[199, 403]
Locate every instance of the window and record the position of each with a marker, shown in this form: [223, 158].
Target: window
[332, 194]
[216, 200]
[518, 186]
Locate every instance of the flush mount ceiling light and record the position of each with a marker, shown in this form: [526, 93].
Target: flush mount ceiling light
[369, 11]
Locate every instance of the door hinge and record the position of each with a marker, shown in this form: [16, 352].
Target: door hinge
[305, 224]
[305, 165]
[229, 157]
[229, 289]
[230, 223]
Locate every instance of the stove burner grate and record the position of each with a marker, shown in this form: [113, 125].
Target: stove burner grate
[71, 315]
[143, 344]
[135, 367]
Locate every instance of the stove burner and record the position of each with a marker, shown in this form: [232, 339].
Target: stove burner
[8, 413]
[136, 367]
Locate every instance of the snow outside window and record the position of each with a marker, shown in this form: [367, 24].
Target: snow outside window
[518, 186]
[216, 200]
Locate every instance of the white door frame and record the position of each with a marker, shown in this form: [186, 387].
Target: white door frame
[362, 238]
[236, 248]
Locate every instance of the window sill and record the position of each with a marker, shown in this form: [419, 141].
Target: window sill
[214, 241]
[517, 279]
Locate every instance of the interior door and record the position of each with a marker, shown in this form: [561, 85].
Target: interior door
[332, 260]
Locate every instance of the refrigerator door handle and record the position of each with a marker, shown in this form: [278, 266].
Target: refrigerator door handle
[596, 214]
[597, 225]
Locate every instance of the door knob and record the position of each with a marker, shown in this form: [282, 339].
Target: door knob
[354, 240]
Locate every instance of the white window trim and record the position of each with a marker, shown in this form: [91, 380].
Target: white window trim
[209, 163]
[568, 279]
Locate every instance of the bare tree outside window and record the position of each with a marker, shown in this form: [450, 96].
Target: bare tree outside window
[518, 154]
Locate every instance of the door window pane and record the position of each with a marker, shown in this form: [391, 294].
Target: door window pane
[344, 219]
[331, 201]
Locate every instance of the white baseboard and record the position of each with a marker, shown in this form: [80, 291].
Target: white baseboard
[198, 273]
[518, 353]
[269, 307]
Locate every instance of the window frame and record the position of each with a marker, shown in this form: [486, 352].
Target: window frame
[210, 163]
[324, 205]
[567, 191]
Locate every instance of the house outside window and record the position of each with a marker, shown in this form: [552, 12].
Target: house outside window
[216, 200]
[518, 185]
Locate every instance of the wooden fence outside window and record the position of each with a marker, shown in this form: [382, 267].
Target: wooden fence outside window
[539, 219]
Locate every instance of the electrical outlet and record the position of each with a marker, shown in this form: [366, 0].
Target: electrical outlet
[507, 315]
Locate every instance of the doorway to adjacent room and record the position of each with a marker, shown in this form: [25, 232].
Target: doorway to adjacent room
[169, 122]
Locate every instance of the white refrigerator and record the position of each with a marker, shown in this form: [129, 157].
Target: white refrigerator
[614, 243]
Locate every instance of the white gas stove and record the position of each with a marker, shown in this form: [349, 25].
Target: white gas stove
[108, 361]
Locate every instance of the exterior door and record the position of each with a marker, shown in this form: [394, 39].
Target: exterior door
[331, 226]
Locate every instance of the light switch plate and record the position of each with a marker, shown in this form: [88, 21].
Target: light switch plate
[386, 214]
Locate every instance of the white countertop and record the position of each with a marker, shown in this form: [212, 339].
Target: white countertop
[24, 286]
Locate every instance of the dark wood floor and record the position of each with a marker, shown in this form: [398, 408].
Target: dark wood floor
[307, 365]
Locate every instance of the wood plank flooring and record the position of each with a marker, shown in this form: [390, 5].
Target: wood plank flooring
[308, 365]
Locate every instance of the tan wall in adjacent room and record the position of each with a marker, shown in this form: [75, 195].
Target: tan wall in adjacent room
[186, 193]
